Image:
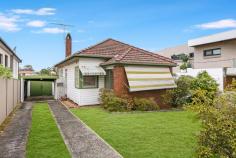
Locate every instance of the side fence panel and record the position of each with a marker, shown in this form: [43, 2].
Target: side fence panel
[3, 100]
[9, 96]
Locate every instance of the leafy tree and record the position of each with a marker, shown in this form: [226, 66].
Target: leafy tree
[28, 67]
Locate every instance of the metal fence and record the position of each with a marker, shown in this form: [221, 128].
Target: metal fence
[9, 96]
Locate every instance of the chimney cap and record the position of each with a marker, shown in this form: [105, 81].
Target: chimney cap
[68, 36]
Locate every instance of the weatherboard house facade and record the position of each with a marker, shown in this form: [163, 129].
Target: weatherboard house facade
[112, 64]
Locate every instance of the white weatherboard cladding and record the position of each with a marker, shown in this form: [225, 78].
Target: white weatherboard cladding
[83, 96]
[149, 78]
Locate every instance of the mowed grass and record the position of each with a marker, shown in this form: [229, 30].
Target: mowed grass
[145, 134]
[44, 138]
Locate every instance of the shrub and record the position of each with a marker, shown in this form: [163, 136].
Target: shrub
[143, 104]
[180, 95]
[218, 136]
[232, 86]
[111, 102]
[204, 81]
[5, 72]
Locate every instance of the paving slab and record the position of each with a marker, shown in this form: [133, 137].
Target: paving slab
[80, 140]
[14, 137]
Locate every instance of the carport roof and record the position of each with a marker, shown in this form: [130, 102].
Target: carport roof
[39, 77]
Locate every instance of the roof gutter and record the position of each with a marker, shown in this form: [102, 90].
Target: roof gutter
[14, 54]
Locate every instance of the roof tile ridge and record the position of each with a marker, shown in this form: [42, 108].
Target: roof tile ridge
[120, 57]
[146, 51]
[80, 51]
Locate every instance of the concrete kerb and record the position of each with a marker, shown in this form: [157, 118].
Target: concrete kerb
[65, 141]
[91, 130]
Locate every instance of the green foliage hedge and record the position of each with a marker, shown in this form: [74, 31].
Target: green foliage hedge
[188, 86]
[5, 72]
[218, 136]
[111, 102]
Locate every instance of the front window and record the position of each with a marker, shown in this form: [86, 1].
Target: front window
[212, 52]
[90, 82]
[85, 81]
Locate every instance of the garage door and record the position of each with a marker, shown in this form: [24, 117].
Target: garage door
[40, 88]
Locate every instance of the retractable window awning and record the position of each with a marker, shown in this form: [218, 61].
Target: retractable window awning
[92, 70]
[149, 78]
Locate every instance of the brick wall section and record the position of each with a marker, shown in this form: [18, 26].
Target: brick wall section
[120, 88]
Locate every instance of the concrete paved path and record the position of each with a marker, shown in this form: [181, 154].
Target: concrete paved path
[14, 138]
[81, 141]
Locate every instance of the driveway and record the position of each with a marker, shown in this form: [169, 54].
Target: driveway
[14, 138]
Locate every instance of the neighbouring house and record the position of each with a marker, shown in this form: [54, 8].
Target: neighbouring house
[176, 53]
[26, 72]
[8, 58]
[113, 65]
[10, 91]
[216, 53]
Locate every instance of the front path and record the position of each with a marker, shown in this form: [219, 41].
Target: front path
[14, 138]
[81, 141]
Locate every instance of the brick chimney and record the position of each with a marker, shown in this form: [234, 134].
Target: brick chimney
[68, 45]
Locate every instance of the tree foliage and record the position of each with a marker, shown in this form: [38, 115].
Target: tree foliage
[5, 72]
[218, 135]
[180, 95]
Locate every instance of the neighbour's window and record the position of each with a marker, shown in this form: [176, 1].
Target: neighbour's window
[11, 62]
[85, 81]
[191, 55]
[212, 52]
[6, 61]
[1, 58]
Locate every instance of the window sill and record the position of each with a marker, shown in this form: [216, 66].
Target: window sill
[213, 56]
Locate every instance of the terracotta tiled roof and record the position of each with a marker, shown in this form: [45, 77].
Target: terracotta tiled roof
[120, 52]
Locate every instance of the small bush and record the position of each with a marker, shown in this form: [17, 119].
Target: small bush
[204, 81]
[232, 86]
[143, 104]
[111, 102]
[180, 95]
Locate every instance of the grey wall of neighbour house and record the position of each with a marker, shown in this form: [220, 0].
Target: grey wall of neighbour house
[226, 59]
[9, 96]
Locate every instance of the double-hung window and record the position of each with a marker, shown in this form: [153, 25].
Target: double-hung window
[212, 52]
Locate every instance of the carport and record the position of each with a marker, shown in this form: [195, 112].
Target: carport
[38, 87]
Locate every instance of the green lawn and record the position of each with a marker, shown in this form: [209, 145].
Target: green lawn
[144, 134]
[44, 138]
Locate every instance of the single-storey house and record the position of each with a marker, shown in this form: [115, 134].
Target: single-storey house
[113, 65]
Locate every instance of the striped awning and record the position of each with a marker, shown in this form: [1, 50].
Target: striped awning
[92, 70]
[149, 78]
